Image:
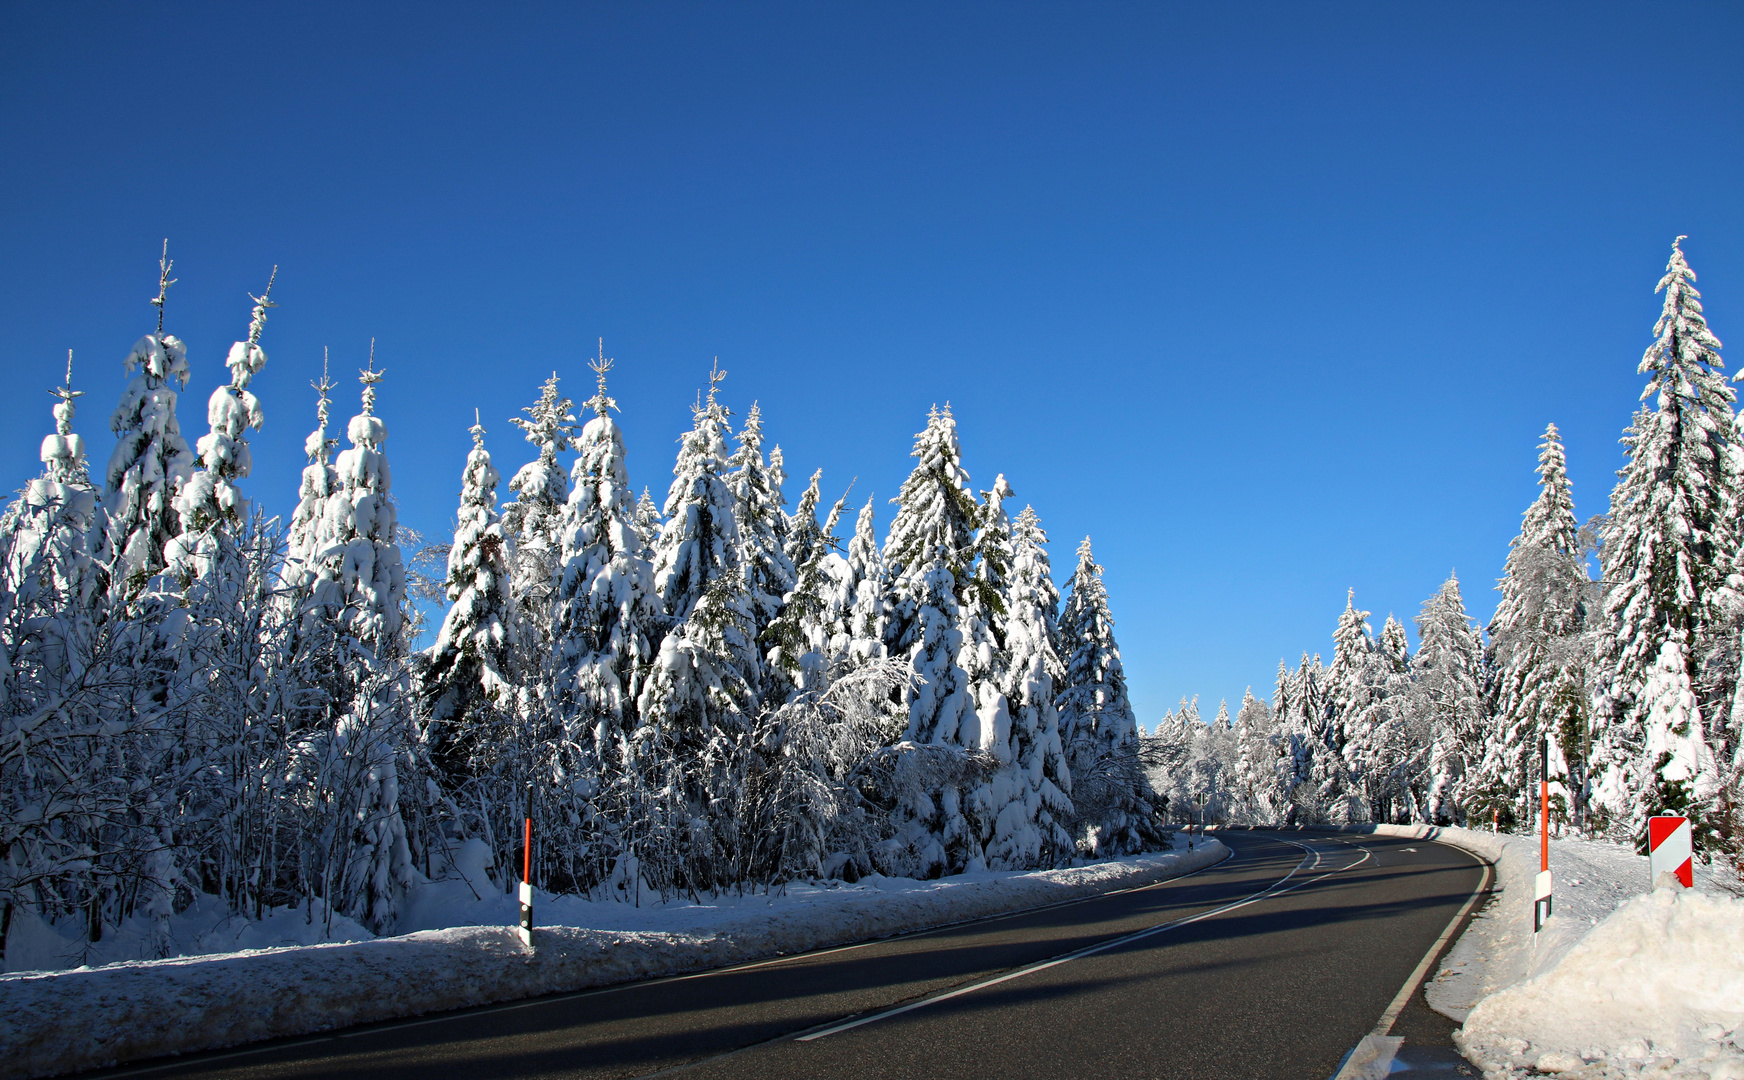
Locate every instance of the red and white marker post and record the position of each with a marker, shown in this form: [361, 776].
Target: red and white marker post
[527, 885]
[1669, 849]
[1541, 899]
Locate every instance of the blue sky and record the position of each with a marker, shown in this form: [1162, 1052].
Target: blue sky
[1271, 300]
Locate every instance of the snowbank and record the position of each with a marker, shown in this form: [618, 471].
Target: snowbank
[1656, 987]
[89, 1017]
[1617, 984]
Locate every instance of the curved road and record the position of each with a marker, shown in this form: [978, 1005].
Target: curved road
[1274, 963]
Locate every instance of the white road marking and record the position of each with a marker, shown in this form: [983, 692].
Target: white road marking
[1404, 995]
[1091, 950]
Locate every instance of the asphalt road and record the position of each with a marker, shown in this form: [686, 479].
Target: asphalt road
[1274, 963]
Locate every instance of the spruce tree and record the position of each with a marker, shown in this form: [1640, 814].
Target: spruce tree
[1672, 535]
[533, 522]
[1000, 806]
[1041, 821]
[606, 609]
[50, 534]
[151, 459]
[1447, 699]
[928, 554]
[209, 496]
[305, 539]
[1536, 652]
[360, 577]
[703, 683]
[470, 668]
[1101, 735]
[869, 611]
[769, 573]
[801, 642]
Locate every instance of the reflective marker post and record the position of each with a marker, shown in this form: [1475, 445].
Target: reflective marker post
[527, 885]
[1541, 894]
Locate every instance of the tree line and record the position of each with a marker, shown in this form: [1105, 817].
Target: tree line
[685, 697]
[1626, 685]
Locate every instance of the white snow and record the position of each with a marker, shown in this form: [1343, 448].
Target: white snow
[54, 1022]
[1623, 980]
[1657, 988]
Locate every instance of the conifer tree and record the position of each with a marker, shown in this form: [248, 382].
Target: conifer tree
[1097, 724]
[648, 523]
[208, 497]
[769, 573]
[700, 538]
[1254, 773]
[470, 666]
[1034, 828]
[1536, 653]
[1345, 679]
[869, 610]
[703, 682]
[533, 522]
[1000, 806]
[607, 610]
[800, 640]
[151, 459]
[50, 533]
[1447, 699]
[360, 579]
[320, 481]
[928, 554]
[1673, 532]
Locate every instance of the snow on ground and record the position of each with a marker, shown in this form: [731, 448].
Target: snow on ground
[1655, 989]
[1623, 981]
[61, 1021]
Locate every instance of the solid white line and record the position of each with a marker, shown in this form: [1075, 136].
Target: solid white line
[1092, 949]
[1404, 995]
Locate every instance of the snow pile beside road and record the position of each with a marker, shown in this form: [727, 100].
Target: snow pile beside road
[1657, 988]
[65, 1021]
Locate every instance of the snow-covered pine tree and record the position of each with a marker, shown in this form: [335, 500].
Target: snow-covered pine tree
[1672, 535]
[1346, 689]
[648, 523]
[928, 553]
[208, 496]
[305, 541]
[151, 459]
[1340, 792]
[1254, 800]
[700, 538]
[869, 612]
[470, 669]
[701, 691]
[769, 574]
[1034, 670]
[1447, 699]
[1002, 807]
[1537, 653]
[606, 611]
[533, 522]
[49, 536]
[799, 641]
[1109, 789]
[360, 577]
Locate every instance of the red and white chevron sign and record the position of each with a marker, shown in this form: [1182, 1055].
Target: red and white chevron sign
[1668, 848]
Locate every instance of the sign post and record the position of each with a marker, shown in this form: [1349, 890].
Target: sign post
[1669, 849]
[526, 927]
[1541, 899]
